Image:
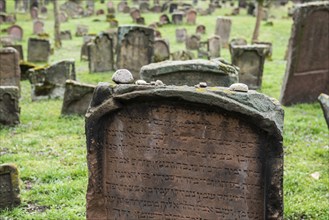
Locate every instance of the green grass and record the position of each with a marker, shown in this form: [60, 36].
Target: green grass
[50, 150]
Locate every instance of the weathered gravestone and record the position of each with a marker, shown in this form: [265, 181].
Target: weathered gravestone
[164, 19]
[177, 17]
[307, 71]
[15, 32]
[182, 55]
[173, 7]
[72, 9]
[161, 50]
[191, 16]
[236, 42]
[135, 14]
[223, 29]
[324, 101]
[214, 46]
[3, 7]
[82, 30]
[190, 72]
[100, 54]
[38, 27]
[157, 152]
[250, 59]
[269, 47]
[9, 109]
[9, 186]
[49, 82]
[135, 48]
[200, 29]
[144, 7]
[34, 12]
[66, 35]
[10, 73]
[77, 97]
[181, 34]
[38, 50]
[19, 49]
[110, 7]
[121, 6]
[63, 17]
[192, 42]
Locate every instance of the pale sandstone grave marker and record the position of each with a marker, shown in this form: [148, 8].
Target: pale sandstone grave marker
[10, 73]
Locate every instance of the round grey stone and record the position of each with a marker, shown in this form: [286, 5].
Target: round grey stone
[159, 83]
[239, 87]
[203, 84]
[141, 82]
[123, 76]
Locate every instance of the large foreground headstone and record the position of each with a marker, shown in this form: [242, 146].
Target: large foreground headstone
[307, 72]
[157, 152]
[9, 186]
[38, 50]
[10, 73]
[77, 97]
[135, 48]
[191, 72]
[9, 108]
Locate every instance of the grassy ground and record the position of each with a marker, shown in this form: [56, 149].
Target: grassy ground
[50, 150]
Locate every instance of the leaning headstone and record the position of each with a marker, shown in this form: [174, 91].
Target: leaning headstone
[77, 97]
[250, 59]
[168, 152]
[19, 49]
[25, 67]
[82, 30]
[10, 73]
[177, 17]
[214, 46]
[307, 72]
[191, 16]
[324, 101]
[181, 34]
[49, 82]
[161, 50]
[135, 48]
[9, 186]
[15, 32]
[191, 72]
[38, 27]
[38, 50]
[100, 54]
[9, 110]
[192, 42]
[223, 29]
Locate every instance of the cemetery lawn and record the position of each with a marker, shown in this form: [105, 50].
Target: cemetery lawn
[50, 150]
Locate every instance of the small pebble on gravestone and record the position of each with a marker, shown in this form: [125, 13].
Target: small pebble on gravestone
[239, 87]
[203, 84]
[159, 83]
[141, 82]
[123, 76]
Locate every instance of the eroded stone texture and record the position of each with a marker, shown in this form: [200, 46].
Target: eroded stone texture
[77, 97]
[135, 48]
[19, 49]
[38, 50]
[49, 82]
[250, 59]
[223, 29]
[214, 46]
[183, 153]
[191, 16]
[9, 108]
[192, 42]
[307, 71]
[177, 17]
[191, 72]
[161, 50]
[181, 34]
[38, 27]
[182, 55]
[9, 186]
[324, 101]
[100, 54]
[15, 32]
[10, 73]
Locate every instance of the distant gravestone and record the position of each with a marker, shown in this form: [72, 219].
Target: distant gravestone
[135, 48]
[38, 27]
[34, 12]
[181, 34]
[190, 72]
[9, 185]
[161, 50]
[164, 19]
[3, 7]
[192, 42]
[157, 152]
[121, 6]
[81, 30]
[110, 8]
[324, 101]
[156, 8]
[15, 32]
[38, 50]
[173, 7]
[19, 49]
[66, 35]
[44, 10]
[191, 16]
[236, 42]
[100, 54]
[214, 46]
[269, 46]
[223, 29]
[77, 97]
[200, 29]
[177, 17]
[9, 115]
[182, 55]
[63, 17]
[250, 59]
[49, 82]
[10, 73]
[144, 7]
[135, 14]
[140, 20]
[307, 72]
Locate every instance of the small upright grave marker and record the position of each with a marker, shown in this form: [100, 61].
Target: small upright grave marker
[38, 50]
[9, 186]
[9, 109]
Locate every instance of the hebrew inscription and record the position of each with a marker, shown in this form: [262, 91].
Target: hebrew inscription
[182, 162]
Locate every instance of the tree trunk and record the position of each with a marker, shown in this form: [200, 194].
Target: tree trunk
[58, 43]
[258, 20]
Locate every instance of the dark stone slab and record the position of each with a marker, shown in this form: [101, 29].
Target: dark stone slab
[77, 97]
[9, 108]
[10, 73]
[38, 50]
[183, 153]
[9, 186]
[324, 101]
[191, 72]
[307, 72]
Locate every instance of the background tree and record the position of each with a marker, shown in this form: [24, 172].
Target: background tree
[58, 42]
[259, 16]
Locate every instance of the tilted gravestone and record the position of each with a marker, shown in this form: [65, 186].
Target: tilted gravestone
[38, 27]
[10, 73]
[38, 50]
[157, 152]
[192, 42]
[181, 34]
[191, 72]
[9, 108]
[250, 59]
[100, 54]
[77, 97]
[307, 71]
[191, 16]
[324, 101]
[15, 32]
[49, 82]
[223, 29]
[135, 48]
[9, 186]
[161, 50]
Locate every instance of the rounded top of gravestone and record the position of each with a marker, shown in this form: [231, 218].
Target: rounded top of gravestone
[8, 50]
[239, 87]
[123, 76]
